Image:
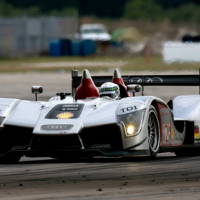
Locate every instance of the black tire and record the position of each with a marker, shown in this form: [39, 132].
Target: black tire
[153, 132]
[189, 140]
[67, 158]
[9, 158]
[6, 156]
[187, 152]
[182, 153]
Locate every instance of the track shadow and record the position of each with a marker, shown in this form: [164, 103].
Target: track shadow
[142, 159]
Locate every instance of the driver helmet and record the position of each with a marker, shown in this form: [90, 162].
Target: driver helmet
[109, 89]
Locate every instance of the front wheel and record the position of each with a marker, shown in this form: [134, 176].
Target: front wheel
[6, 156]
[153, 132]
[9, 158]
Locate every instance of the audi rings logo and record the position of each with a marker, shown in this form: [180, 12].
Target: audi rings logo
[141, 80]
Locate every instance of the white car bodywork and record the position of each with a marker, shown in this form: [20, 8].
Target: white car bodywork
[127, 125]
[187, 108]
[96, 32]
[96, 112]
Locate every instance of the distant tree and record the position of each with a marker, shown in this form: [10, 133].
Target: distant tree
[187, 12]
[176, 10]
[45, 7]
[167, 4]
[103, 8]
[32, 11]
[143, 9]
[64, 12]
[8, 10]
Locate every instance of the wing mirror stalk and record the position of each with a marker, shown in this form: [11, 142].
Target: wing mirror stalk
[36, 89]
[134, 88]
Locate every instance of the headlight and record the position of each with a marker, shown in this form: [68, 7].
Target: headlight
[131, 122]
[130, 130]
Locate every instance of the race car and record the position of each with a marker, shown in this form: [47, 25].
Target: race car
[109, 121]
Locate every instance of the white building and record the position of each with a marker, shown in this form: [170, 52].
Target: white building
[175, 51]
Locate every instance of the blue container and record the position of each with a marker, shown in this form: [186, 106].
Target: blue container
[88, 47]
[54, 48]
[75, 48]
[65, 47]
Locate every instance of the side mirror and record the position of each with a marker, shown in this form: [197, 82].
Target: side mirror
[134, 88]
[62, 95]
[36, 89]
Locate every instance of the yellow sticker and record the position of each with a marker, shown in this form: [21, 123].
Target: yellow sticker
[65, 115]
[196, 135]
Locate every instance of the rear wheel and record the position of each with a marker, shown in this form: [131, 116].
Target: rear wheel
[188, 140]
[187, 152]
[153, 132]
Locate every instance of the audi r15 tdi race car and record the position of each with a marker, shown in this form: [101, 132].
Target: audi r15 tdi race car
[109, 121]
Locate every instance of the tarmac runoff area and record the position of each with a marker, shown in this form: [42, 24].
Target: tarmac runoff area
[18, 85]
[167, 177]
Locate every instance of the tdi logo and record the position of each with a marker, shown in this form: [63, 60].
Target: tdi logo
[127, 109]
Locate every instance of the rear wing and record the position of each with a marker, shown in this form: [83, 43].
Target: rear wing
[143, 80]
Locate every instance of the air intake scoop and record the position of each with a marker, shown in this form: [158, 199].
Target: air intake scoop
[87, 87]
[117, 79]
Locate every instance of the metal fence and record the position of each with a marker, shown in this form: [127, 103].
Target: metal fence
[31, 36]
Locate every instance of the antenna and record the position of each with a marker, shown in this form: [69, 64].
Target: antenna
[74, 74]
[142, 85]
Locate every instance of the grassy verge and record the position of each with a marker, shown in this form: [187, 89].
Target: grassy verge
[156, 64]
[100, 63]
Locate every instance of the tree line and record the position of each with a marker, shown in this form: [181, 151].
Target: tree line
[152, 10]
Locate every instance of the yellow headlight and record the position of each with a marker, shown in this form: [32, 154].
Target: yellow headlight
[130, 129]
[65, 115]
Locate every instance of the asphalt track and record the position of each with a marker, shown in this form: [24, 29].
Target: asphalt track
[167, 177]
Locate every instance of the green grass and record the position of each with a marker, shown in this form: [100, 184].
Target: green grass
[138, 63]
[156, 64]
[53, 59]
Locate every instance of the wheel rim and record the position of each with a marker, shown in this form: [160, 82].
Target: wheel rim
[153, 133]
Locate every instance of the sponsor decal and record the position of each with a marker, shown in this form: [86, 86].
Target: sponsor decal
[65, 115]
[69, 107]
[140, 80]
[56, 127]
[196, 135]
[127, 109]
[65, 111]
[169, 132]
